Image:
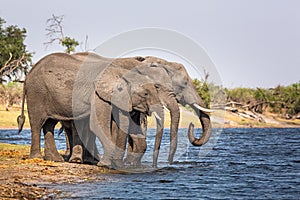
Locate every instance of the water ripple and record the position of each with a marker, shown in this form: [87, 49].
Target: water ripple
[243, 164]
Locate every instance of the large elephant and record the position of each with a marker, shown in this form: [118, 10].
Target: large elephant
[182, 91]
[158, 74]
[50, 86]
[186, 94]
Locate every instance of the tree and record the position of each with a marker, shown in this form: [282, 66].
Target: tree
[14, 57]
[55, 34]
[203, 91]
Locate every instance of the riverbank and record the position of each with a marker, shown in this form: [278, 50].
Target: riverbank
[223, 119]
[24, 178]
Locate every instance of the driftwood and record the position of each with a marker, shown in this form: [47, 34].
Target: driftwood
[245, 114]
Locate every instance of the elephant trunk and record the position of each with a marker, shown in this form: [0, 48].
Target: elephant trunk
[206, 127]
[159, 133]
[173, 107]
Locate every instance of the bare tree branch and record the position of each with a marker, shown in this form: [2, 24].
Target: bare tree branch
[11, 65]
[54, 29]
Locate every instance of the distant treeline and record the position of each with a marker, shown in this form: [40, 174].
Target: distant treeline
[284, 100]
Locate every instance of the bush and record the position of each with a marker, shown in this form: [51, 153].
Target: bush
[11, 94]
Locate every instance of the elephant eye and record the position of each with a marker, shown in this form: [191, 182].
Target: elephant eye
[185, 82]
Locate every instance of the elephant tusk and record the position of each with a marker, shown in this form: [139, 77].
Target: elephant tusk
[157, 116]
[166, 108]
[205, 110]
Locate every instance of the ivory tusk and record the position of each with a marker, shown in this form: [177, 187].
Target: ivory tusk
[166, 108]
[157, 116]
[206, 110]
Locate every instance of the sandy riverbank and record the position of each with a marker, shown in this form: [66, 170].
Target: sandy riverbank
[23, 178]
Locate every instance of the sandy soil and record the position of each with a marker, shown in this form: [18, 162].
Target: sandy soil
[23, 178]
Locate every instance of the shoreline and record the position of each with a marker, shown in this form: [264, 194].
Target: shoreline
[25, 178]
[219, 119]
[224, 127]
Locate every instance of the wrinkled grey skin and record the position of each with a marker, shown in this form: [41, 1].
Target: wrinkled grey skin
[186, 94]
[184, 91]
[79, 153]
[158, 75]
[49, 90]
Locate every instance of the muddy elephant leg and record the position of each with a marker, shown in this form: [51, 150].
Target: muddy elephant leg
[51, 152]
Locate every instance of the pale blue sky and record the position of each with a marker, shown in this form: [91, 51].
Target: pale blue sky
[253, 43]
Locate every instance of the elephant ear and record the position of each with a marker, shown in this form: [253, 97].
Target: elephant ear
[111, 87]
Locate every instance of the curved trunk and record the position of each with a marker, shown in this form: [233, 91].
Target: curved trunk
[173, 107]
[206, 128]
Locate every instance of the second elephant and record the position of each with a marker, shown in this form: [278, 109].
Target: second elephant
[58, 89]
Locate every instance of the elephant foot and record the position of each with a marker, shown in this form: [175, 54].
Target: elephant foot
[129, 160]
[104, 163]
[137, 164]
[36, 155]
[170, 160]
[88, 158]
[76, 156]
[56, 157]
[117, 163]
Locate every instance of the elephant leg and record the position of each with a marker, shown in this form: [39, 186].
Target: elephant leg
[36, 120]
[119, 148]
[137, 139]
[130, 155]
[130, 152]
[120, 126]
[139, 149]
[90, 151]
[77, 149]
[35, 148]
[100, 124]
[51, 152]
[68, 139]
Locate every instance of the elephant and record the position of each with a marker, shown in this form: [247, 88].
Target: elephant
[182, 90]
[56, 78]
[158, 75]
[79, 153]
[186, 94]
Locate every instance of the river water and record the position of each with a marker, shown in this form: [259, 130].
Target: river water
[236, 164]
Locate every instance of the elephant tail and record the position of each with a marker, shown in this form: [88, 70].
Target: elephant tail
[21, 118]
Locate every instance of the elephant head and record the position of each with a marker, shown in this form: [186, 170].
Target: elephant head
[120, 92]
[186, 94]
[127, 90]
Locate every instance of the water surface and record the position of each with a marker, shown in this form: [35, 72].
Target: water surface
[242, 164]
